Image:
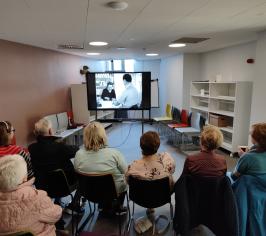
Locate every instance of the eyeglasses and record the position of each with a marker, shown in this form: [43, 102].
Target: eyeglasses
[12, 130]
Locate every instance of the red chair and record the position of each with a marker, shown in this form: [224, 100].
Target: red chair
[184, 120]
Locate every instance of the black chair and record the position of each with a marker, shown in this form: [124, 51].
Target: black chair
[150, 194]
[98, 188]
[56, 185]
[22, 233]
[207, 201]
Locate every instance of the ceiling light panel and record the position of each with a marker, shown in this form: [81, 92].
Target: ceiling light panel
[98, 43]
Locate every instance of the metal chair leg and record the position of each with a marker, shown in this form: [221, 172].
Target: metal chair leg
[131, 217]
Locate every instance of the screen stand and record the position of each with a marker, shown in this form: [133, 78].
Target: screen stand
[142, 122]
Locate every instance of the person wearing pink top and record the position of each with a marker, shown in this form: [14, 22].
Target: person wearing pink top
[22, 207]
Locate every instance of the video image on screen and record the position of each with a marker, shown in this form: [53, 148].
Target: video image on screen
[118, 91]
[115, 92]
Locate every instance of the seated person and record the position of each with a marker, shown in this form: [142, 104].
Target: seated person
[48, 154]
[253, 161]
[130, 96]
[23, 208]
[152, 165]
[108, 93]
[207, 162]
[7, 133]
[97, 157]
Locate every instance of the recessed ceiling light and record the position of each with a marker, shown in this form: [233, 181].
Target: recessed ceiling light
[151, 54]
[177, 45]
[93, 53]
[117, 5]
[98, 43]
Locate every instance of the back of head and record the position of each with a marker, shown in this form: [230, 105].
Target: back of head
[211, 137]
[94, 136]
[5, 129]
[149, 143]
[127, 77]
[259, 135]
[42, 127]
[13, 170]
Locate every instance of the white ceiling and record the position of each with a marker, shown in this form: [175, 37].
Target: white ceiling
[145, 26]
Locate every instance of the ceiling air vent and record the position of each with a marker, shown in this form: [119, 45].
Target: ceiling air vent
[70, 46]
[190, 40]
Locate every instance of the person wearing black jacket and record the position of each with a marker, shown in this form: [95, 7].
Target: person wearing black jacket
[108, 93]
[48, 154]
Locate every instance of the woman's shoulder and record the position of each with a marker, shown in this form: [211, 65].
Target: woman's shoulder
[165, 156]
[111, 150]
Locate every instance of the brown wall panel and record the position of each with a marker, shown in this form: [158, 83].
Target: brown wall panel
[34, 82]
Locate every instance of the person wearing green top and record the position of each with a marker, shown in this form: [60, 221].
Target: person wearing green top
[253, 161]
[97, 158]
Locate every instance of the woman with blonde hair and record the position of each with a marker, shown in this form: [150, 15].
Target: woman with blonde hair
[97, 158]
[207, 162]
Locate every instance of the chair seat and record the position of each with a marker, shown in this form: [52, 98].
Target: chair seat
[187, 130]
[162, 118]
[177, 125]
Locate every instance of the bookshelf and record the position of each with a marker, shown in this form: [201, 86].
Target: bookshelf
[231, 100]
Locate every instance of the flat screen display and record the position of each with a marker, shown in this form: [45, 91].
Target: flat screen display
[117, 90]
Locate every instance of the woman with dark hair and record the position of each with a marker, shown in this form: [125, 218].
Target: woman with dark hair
[152, 165]
[253, 161]
[7, 133]
[108, 93]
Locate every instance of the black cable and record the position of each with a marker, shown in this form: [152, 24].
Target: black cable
[117, 146]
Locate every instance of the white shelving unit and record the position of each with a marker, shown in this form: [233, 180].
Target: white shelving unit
[229, 99]
[80, 107]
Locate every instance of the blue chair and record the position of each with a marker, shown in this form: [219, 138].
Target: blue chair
[251, 202]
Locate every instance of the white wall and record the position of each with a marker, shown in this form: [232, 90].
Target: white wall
[190, 73]
[171, 82]
[258, 111]
[229, 62]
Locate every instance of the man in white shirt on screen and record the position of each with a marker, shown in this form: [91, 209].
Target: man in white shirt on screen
[130, 96]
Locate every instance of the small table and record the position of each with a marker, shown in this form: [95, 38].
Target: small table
[185, 133]
[71, 136]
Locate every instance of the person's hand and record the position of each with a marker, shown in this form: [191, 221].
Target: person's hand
[241, 151]
[115, 103]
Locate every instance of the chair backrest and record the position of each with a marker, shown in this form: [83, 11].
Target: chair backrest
[176, 114]
[184, 116]
[168, 110]
[251, 202]
[205, 200]
[195, 120]
[149, 193]
[97, 188]
[54, 183]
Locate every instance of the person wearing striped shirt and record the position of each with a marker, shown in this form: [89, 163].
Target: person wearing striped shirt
[6, 148]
